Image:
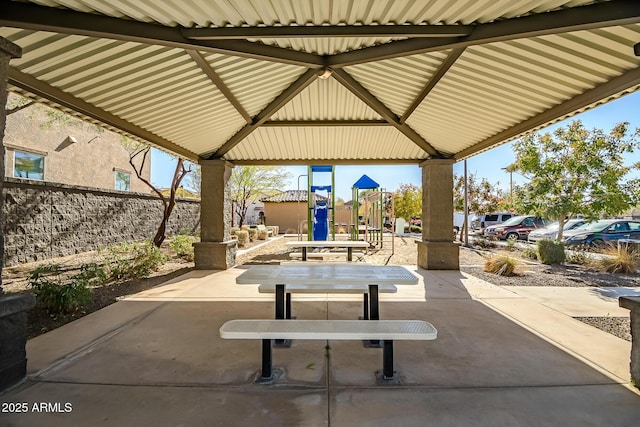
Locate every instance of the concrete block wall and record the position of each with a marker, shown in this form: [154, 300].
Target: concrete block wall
[43, 220]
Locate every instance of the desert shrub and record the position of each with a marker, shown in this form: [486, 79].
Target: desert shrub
[501, 265]
[415, 229]
[577, 257]
[234, 230]
[253, 234]
[290, 231]
[243, 237]
[58, 295]
[530, 253]
[618, 261]
[183, 245]
[133, 260]
[263, 234]
[483, 242]
[551, 251]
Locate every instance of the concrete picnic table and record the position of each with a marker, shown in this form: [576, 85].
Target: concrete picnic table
[348, 244]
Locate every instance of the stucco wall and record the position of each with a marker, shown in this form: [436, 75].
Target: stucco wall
[44, 220]
[285, 214]
[90, 162]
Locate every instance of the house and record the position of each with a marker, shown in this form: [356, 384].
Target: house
[288, 209]
[43, 144]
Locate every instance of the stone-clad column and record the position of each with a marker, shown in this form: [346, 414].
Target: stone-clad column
[633, 304]
[437, 250]
[216, 250]
[13, 308]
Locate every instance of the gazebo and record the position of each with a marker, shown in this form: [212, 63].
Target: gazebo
[249, 82]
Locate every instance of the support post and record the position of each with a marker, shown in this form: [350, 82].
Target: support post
[387, 360]
[216, 250]
[437, 250]
[633, 304]
[13, 308]
[266, 373]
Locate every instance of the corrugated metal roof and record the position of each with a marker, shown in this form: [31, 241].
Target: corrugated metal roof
[501, 68]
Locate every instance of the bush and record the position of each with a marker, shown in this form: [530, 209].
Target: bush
[551, 251]
[183, 245]
[483, 242]
[243, 237]
[234, 230]
[290, 231]
[59, 296]
[618, 261]
[263, 234]
[577, 257]
[501, 265]
[253, 234]
[133, 260]
[415, 229]
[530, 253]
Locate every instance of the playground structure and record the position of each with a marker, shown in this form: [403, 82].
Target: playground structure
[320, 213]
[377, 209]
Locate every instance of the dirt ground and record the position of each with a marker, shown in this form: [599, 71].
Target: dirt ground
[403, 251]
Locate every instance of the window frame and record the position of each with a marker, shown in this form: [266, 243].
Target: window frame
[17, 151]
[115, 179]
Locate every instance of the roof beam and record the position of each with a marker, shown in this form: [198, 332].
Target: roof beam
[367, 97]
[433, 81]
[312, 31]
[43, 18]
[322, 162]
[222, 87]
[628, 80]
[599, 15]
[324, 123]
[287, 95]
[636, 49]
[44, 90]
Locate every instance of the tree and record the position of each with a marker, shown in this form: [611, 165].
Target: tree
[407, 202]
[137, 157]
[576, 171]
[194, 180]
[483, 197]
[250, 182]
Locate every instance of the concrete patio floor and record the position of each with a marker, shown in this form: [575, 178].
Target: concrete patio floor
[503, 357]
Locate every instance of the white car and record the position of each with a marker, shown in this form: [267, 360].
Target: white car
[551, 231]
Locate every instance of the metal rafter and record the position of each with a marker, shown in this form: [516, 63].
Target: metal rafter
[312, 31]
[433, 81]
[321, 162]
[42, 18]
[367, 97]
[222, 87]
[44, 90]
[599, 15]
[628, 80]
[329, 123]
[636, 49]
[287, 95]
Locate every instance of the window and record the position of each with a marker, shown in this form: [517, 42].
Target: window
[28, 165]
[123, 181]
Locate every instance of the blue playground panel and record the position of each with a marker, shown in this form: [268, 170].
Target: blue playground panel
[321, 221]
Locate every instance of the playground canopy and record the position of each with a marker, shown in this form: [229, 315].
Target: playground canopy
[315, 82]
[365, 183]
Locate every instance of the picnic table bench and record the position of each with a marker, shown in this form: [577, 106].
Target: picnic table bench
[304, 245]
[387, 330]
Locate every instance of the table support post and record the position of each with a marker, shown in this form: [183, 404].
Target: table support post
[387, 360]
[287, 309]
[374, 309]
[365, 313]
[266, 373]
[280, 309]
[349, 254]
[304, 253]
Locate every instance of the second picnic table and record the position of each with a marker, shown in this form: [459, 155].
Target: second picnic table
[348, 244]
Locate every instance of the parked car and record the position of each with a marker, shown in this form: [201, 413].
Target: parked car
[597, 234]
[480, 222]
[515, 228]
[551, 230]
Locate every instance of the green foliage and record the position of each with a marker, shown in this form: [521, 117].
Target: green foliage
[251, 182]
[415, 229]
[483, 197]
[133, 260]
[576, 171]
[408, 202]
[183, 245]
[551, 251]
[501, 265]
[530, 253]
[483, 242]
[577, 257]
[58, 295]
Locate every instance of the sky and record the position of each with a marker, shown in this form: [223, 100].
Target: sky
[485, 165]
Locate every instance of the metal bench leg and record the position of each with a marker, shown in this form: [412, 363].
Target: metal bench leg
[267, 372]
[387, 360]
[288, 306]
[281, 312]
[365, 315]
[374, 314]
